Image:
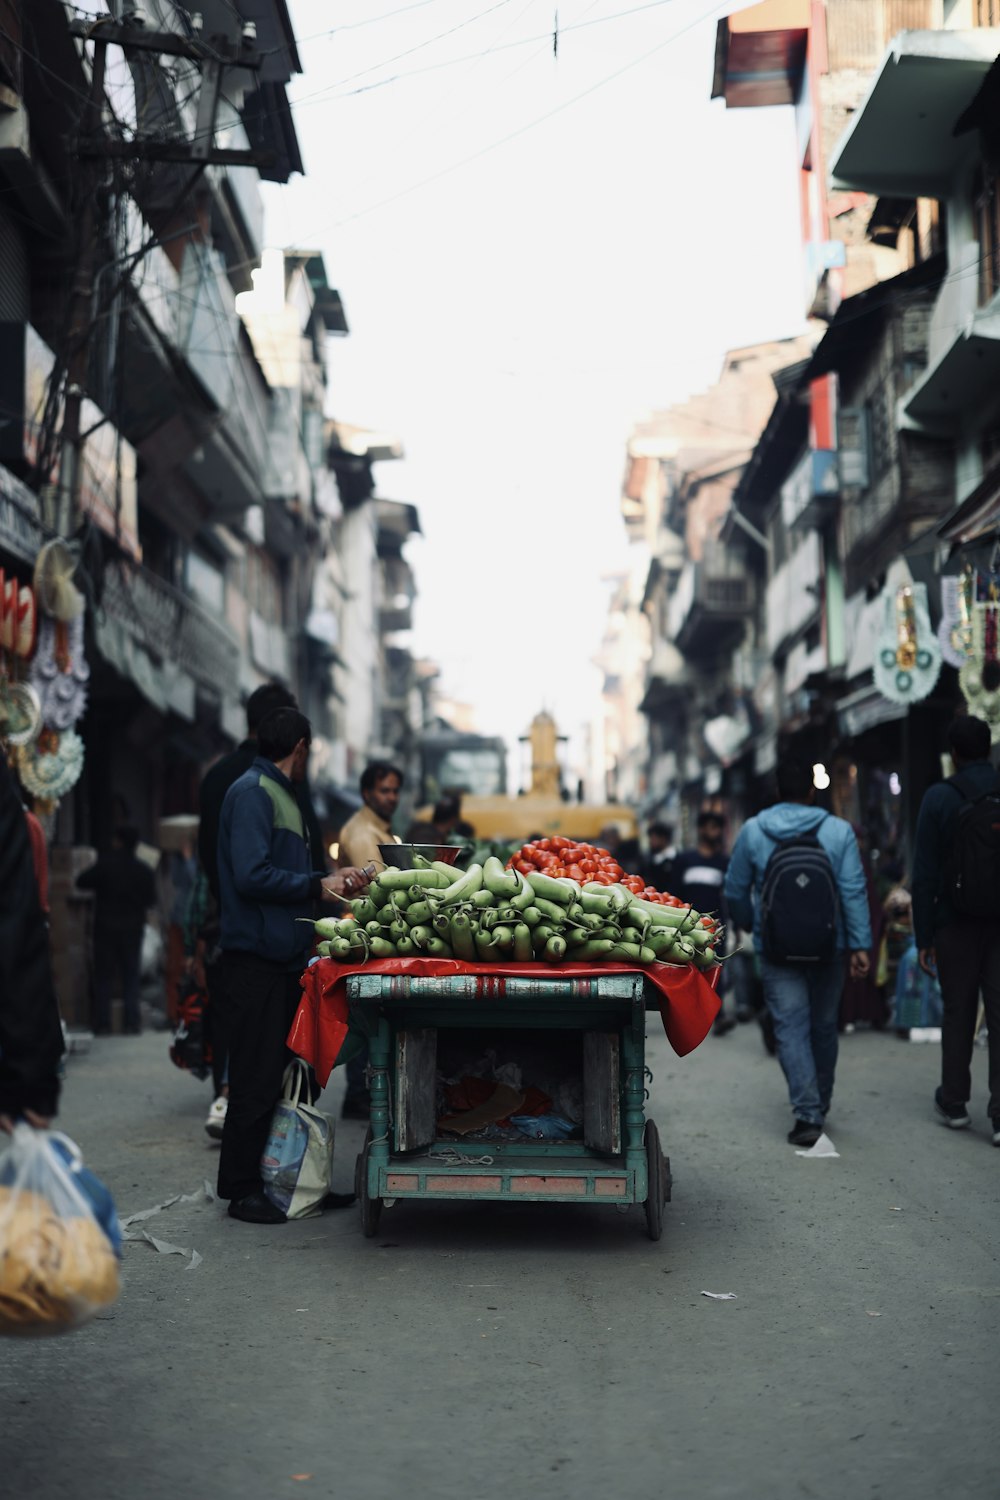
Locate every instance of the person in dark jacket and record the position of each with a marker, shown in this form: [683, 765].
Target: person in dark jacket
[697, 878]
[268, 883]
[220, 777]
[31, 1039]
[211, 795]
[124, 890]
[964, 952]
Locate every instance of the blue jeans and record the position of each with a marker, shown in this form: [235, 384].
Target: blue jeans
[804, 1000]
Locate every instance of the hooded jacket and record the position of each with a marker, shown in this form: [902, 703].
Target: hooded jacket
[757, 841]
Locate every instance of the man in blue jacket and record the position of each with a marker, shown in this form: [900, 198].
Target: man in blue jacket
[963, 950]
[268, 879]
[803, 997]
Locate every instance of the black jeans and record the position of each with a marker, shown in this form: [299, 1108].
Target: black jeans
[117, 955]
[968, 959]
[215, 1023]
[259, 1001]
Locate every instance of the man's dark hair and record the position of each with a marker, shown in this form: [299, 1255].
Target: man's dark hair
[128, 837]
[969, 738]
[662, 830]
[708, 816]
[795, 779]
[375, 771]
[264, 700]
[447, 808]
[280, 732]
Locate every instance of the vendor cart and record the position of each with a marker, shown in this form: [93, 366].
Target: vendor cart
[601, 1019]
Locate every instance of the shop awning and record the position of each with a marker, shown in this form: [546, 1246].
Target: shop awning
[865, 709]
[978, 514]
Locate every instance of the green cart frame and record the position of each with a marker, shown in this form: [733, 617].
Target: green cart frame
[619, 1161]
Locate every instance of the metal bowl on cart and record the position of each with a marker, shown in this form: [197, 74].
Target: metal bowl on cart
[401, 856]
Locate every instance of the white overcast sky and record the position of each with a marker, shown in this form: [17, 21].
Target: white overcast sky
[513, 314]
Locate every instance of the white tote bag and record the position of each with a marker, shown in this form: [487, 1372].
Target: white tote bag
[297, 1163]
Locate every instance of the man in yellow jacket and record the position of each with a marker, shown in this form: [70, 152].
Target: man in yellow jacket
[371, 825]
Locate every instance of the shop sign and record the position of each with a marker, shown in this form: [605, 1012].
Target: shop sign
[108, 481]
[20, 520]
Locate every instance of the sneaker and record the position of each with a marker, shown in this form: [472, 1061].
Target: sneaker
[955, 1116]
[996, 1130]
[723, 1024]
[217, 1117]
[804, 1133]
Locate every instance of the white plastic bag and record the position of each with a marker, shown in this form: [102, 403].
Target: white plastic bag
[297, 1163]
[58, 1266]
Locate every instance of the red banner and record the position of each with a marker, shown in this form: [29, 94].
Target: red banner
[687, 1000]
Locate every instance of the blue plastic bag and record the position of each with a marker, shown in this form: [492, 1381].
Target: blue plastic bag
[918, 1001]
[544, 1127]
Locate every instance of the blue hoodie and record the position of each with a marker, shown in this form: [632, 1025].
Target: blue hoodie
[754, 847]
[266, 879]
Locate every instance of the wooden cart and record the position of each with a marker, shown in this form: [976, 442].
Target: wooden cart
[406, 1018]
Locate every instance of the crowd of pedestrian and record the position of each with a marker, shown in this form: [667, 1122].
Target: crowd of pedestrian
[806, 924]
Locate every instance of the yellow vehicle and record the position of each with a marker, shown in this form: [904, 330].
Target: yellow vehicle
[541, 810]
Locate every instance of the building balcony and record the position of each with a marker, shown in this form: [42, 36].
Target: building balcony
[162, 641]
[667, 681]
[901, 142]
[709, 606]
[963, 350]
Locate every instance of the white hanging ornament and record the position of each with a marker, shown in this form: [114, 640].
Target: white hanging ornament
[908, 655]
[979, 678]
[51, 766]
[958, 596]
[59, 672]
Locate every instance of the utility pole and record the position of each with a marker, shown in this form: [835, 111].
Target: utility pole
[94, 146]
[80, 317]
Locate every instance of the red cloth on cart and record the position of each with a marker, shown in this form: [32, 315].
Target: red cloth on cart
[687, 1000]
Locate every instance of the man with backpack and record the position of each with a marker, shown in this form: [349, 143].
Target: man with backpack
[795, 879]
[956, 913]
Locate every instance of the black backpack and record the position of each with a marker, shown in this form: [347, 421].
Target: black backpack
[972, 864]
[800, 903]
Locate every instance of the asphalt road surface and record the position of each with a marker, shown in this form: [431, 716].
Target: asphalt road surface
[487, 1352]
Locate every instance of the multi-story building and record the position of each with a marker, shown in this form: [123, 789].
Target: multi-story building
[215, 544]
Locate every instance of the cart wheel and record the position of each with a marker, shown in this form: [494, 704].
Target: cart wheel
[371, 1208]
[656, 1169]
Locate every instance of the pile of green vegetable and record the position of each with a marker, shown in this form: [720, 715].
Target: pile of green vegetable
[488, 914]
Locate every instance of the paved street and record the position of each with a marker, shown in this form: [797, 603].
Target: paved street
[543, 1350]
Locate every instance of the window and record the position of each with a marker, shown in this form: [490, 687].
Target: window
[880, 429]
[986, 203]
[206, 582]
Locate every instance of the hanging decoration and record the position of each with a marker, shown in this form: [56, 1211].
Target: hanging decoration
[51, 766]
[979, 678]
[59, 672]
[958, 598]
[58, 595]
[907, 656]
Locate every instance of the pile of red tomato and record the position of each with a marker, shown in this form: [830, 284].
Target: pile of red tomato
[559, 856]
